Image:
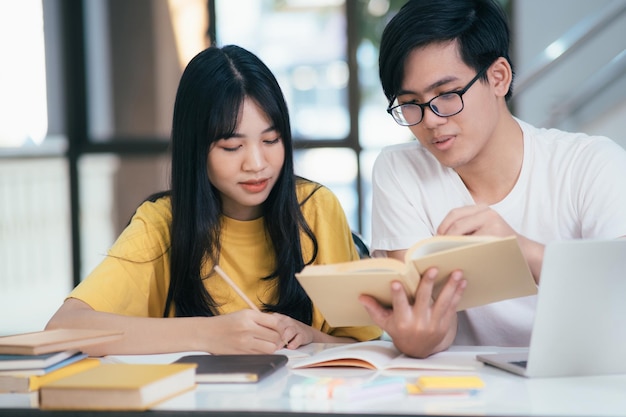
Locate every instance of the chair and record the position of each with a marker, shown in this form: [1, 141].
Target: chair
[361, 246]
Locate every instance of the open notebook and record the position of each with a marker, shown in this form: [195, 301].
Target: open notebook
[580, 321]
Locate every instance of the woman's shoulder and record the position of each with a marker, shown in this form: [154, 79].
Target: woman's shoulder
[317, 201]
[159, 210]
[311, 192]
[148, 231]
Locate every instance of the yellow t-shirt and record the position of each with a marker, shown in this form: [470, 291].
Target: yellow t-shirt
[134, 279]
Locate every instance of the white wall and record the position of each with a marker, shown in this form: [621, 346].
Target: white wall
[537, 24]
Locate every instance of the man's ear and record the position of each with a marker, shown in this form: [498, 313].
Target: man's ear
[500, 76]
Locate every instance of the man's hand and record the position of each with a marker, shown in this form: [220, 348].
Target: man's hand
[474, 220]
[483, 220]
[426, 326]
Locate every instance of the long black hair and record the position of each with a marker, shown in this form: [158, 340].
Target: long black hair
[211, 92]
[479, 26]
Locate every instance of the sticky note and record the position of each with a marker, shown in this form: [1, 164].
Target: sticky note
[446, 384]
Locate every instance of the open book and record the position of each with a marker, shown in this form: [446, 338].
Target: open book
[494, 268]
[382, 355]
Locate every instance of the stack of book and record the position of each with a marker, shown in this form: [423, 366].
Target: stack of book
[52, 363]
[29, 360]
[118, 386]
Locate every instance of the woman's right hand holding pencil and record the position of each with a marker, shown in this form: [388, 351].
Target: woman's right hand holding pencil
[244, 331]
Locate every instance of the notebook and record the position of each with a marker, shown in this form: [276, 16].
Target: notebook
[580, 320]
[234, 368]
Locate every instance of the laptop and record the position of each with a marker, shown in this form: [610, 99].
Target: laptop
[580, 321]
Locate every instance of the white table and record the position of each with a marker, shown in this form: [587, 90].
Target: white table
[504, 395]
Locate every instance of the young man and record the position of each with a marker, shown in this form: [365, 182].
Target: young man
[475, 169]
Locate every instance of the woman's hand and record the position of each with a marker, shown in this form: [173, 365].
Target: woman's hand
[249, 331]
[294, 333]
[244, 331]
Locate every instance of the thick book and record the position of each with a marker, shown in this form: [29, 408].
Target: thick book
[25, 381]
[118, 387]
[234, 368]
[495, 270]
[56, 340]
[382, 355]
[10, 362]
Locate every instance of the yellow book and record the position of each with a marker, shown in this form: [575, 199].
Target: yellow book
[38, 381]
[118, 387]
[494, 267]
[25, 382]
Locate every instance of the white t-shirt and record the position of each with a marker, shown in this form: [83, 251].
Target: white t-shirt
[571, 186]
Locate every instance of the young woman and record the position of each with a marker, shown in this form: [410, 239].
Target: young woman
[234, 202]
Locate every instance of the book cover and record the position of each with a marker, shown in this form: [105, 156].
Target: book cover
[234, 368]
[25, 382]
[495, 270]
[382, 355]
[9, 362]
[47, 341]
[118, 387]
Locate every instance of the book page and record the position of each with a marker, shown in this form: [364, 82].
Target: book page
[374, 354]
[447, 360]
[336, 293]
[441, 243]
[383, 355]
[495, 270]
[371, 265]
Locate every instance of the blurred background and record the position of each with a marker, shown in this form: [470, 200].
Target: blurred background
[87, 91]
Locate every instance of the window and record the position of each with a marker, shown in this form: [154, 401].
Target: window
[92, 88]
[35, 238]
[324, 55]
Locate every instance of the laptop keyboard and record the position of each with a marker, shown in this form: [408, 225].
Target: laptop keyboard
[520, 363]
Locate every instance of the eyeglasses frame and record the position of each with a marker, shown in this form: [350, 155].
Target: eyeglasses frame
[423, 106]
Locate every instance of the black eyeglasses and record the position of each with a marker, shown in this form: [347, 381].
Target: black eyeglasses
[444, 105]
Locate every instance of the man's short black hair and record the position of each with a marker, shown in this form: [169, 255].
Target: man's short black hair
[479, 27]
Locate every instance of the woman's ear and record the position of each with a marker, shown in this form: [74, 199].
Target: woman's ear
[500, 76]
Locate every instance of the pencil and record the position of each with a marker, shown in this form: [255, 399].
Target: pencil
[235, 287]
